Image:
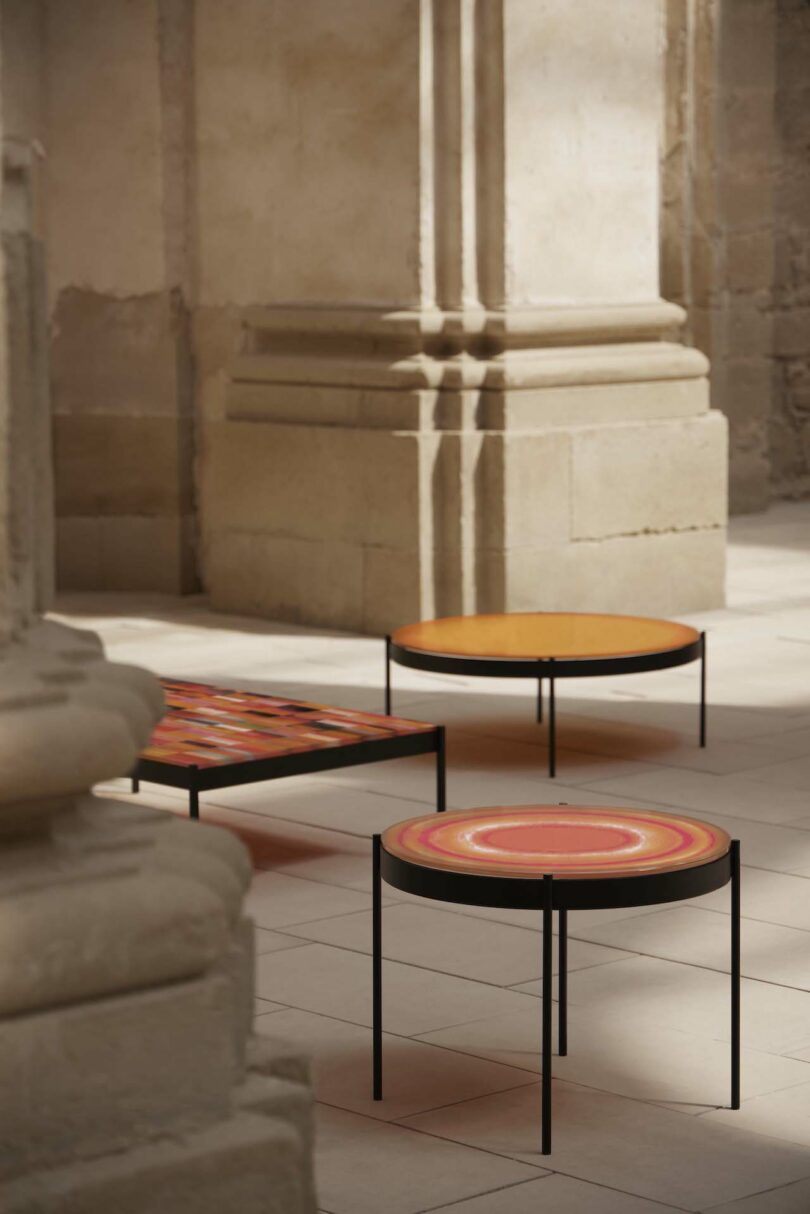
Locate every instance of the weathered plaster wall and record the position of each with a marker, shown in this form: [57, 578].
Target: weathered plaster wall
[118, 144]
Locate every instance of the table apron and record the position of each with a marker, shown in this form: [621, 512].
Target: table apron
[569, 893]
[532, 668]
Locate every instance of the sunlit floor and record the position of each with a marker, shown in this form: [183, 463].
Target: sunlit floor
[639, 1123]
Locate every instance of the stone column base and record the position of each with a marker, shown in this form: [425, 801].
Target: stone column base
[411, 467]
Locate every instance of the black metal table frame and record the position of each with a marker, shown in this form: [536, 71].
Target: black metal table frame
[547, 895]
[551, 669]
[203, 779]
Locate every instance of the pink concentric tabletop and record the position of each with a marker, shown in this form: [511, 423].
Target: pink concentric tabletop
[566, 840]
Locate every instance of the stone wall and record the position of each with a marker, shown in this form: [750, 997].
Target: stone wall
[790, 417]
[116, 133]
[344, 323]
[734, 235]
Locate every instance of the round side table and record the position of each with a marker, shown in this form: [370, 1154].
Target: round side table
[546, 645]
[555, 857]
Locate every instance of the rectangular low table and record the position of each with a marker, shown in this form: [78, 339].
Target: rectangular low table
[215, 737]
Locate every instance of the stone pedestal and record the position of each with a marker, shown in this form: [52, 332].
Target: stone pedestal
[128, 1079]
[472, 397]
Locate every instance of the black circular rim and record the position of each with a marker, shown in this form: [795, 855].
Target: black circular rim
[568, 893]
[527, 668]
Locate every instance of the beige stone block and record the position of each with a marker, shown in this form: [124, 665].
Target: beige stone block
[750, 261]
[312, 405]
[126, 553]
[581, 83]
[747, 197]
[580, 404]
[103, 1075]
[750, 328]
[747, 42]
[129, 357]
[791, 333]
[750, 465]
[107, 465]
[664, 476]
[286, 579]
[318, 483]
[748, 389]
[250, 1163]
[704, 264]
[523, 490]
[103, 131]
[748, 117]
[325, 111]
[398, 588]
[667, 574]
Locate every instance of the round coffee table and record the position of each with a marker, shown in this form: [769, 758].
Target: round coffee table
[556, 857]
[547, 645]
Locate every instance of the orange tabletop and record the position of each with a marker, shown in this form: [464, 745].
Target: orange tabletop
[562, 840]
[545, 634]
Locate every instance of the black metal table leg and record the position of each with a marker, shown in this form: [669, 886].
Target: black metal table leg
[136, 784]
[735, 973]
[552, 726]
[562, 986]
[388, 676]
[548, 929]
[703, 689]
[376, 949]
[539, 701]
[441, 769]
[193, 794]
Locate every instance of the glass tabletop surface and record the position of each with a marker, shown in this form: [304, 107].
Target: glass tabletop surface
[563, 840]
[545, 634]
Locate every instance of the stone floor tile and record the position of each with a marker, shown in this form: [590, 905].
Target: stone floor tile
[769, 952]
[557, 1195]
[775, 1019]
[790, 773]
[781, 1114]
[416, 1076]
[451, 943]
[335, 982]
[634, 1057]
[365, 1166]
[768, 896]
[707, 795]
[274, 942]
[263, 1007]
[786, 1199]
[314, 854]
[626, 1054]
[510, 1036]
[624, 1144]
[333, 804]
[275, 900]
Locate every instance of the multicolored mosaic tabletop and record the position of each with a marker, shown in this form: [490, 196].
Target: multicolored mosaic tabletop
[565, 841]
[209, 726]
[545, 634]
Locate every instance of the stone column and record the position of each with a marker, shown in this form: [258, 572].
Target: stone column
[447, 382]
[129, 1080]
